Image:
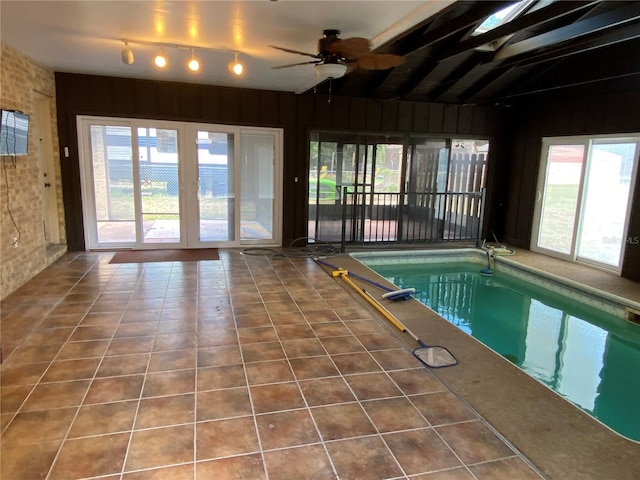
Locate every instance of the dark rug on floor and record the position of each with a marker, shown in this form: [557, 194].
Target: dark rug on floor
[145, 256]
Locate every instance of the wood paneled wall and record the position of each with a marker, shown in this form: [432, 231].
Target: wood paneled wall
[594, 112]
[296, 114]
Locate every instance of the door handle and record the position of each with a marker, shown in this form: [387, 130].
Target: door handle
[47, 184]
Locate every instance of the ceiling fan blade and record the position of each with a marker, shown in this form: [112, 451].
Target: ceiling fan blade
[379, 61]
[288, 50]
[353, 47]
[296, 64]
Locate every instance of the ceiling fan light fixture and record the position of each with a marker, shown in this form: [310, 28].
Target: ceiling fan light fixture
[330, 70]
[127, 54]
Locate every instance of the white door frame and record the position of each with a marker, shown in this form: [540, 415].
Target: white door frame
[188, 184]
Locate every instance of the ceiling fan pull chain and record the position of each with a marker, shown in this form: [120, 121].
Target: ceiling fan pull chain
[329, 91]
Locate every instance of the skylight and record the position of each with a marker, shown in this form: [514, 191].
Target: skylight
[503, 16]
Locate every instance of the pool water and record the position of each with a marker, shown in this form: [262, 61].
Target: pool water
[590, 357]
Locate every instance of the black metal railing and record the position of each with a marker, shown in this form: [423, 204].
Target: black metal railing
[378, 218]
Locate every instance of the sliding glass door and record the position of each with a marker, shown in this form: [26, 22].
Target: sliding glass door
[152, 184]
[584, 199]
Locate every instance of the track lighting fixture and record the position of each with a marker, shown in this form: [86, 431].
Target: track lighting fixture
[236, 67]
[127, 54]
[193, 63]
[161, 60]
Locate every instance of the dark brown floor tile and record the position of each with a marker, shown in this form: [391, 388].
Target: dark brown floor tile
[293, 332]
[217, 404]
[372, 385]
[166, 411]
[396, 359]
[352, 363]
[269, 372]
[326, 391]
[331, 329]
[38, 354]
[21, 374]
[393, 414]
[123, 365]
[104, 418]
[297, 463]
[219, 356]
[114, 389]
[171, 327]
[321, 316]
[30, 462]
[217, 337]
[222, 438]
[286, 429]
[59, 321]
[41, 426]
[473, 442]
[170, 383]
[160, 446]
[416, 380]
[242, 467]
[313, 367]
[275, 397]
[65, 370]
[311, 303]
[86, 349]
[47, 396]
[342, 421]
[48, 336]
[252, 309]
[128, 346]
[213, 378]
[179, 472]
[90, 457]
[459, 473]
[141, 316]
[101, 319]
[93, 332]
[288, 318]
[261, 352]
[358, 327]
[345, 344]
[441, 408]
[253, 320]
[174, 341]
[276, 308]
[363, 459]
[135, 329]
[172, 360]
[378, 341]
[304, 347]
[11, 398]
[257, 334]
[420, 451]
[270, 297]
[506, 469]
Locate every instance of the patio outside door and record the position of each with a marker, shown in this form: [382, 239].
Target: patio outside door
[150, 184]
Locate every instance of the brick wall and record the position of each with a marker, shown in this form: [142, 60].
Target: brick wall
[23, 82]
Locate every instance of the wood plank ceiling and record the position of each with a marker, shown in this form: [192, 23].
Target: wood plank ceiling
[550, 46]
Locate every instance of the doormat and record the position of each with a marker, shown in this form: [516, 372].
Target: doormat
[146, 256]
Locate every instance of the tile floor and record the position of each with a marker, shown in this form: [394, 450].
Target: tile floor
[243, 368]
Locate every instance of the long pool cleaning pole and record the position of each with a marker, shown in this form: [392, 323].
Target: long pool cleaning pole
[359, 277]
[344, 274]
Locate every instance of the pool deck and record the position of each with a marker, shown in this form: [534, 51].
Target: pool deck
[560, 439]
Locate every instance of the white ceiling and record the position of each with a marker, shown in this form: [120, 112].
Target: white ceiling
[86, 36]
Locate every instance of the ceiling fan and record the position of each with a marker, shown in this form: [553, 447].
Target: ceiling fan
[337, 56]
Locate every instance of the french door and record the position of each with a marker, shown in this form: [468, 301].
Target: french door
[157, 184]
[583, 200]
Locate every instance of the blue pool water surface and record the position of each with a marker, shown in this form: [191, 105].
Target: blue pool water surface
[588, 356]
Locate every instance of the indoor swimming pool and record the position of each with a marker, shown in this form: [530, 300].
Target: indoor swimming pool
[573, 341]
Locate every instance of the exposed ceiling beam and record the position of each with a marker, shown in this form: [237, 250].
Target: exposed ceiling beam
[453, 78]
[465, 21]
[552, 12]
[628, 13]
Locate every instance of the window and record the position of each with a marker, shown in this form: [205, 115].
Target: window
[584, 197]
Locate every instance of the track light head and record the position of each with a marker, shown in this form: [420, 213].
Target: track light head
[161, 60]
[127, 54]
